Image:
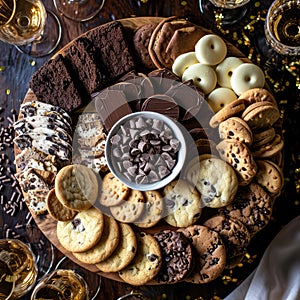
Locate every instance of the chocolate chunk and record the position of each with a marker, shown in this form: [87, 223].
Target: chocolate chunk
[177, 256]
[147, 155]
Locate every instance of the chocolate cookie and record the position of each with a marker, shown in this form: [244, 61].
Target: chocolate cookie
[234, 234]
[252, 206]
[211, 254]
[146, 263]
[177, 256]
[141, 40]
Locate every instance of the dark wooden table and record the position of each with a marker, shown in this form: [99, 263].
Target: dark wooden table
[283, 78]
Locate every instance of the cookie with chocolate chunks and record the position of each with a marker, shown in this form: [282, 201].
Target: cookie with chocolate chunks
[235, 235]
[146, 263]
[252, 206]
[177, 256]
[211, 253]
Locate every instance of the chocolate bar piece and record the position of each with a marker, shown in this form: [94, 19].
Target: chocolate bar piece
[111, 105]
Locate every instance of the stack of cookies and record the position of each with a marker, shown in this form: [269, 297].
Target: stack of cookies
[198, 224]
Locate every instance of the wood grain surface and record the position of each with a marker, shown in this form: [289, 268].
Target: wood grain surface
[16, 71]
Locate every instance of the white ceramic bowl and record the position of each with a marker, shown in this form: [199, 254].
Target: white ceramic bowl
[181, 154]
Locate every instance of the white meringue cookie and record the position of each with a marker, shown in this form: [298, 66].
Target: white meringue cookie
[210, 49]
[183, 61]
[202, 75]
[220, 97]
[247, 76]
[225, 69]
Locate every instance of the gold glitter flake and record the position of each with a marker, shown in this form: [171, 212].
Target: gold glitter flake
[7, 91]
[2, 68]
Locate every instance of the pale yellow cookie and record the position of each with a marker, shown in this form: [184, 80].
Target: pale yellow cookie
[83, 232]
[105, 247]
[76, 187]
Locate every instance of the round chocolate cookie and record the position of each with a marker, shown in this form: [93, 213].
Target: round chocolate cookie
[234, 234]
[177, 256]
[141, 40]
[211, 253]
[252, 206]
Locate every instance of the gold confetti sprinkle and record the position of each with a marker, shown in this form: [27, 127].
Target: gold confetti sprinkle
[183, 3]
[32, 62]
[2, 68]
[7, 91]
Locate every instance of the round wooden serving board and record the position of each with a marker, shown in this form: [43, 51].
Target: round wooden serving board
[45, 222]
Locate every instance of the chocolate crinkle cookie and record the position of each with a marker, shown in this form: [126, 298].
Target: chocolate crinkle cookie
[177, 256]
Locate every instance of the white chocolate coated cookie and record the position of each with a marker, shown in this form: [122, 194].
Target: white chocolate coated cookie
[202, 75]
[220, 97]
[183, 61]
[225, 69]
[247, 76]
[210, 49]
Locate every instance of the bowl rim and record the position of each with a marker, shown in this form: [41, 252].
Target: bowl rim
[182, 153]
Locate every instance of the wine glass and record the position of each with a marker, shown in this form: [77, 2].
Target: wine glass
[282, 27]
[61, 284]
[27, 25]
[225, 12]
[18, 269]
[79, 10]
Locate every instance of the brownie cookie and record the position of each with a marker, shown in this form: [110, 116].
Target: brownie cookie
[215, 180]
[57, 210]
[153, 210]
[177, 256]
[182, 203]
[123, 254]
[211, 253]
[113, 191]
[240, 157]
[130, 210]
[146, 263]
[141, 40]
[252, 206]
[105, 247]
[234, 234]
[83, 232]
[76, 187]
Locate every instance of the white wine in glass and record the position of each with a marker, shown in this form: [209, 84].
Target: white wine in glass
[27, 25]
[282, 27]
[228, 11]
[18, 269]
[63, 285]
[79, 10]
